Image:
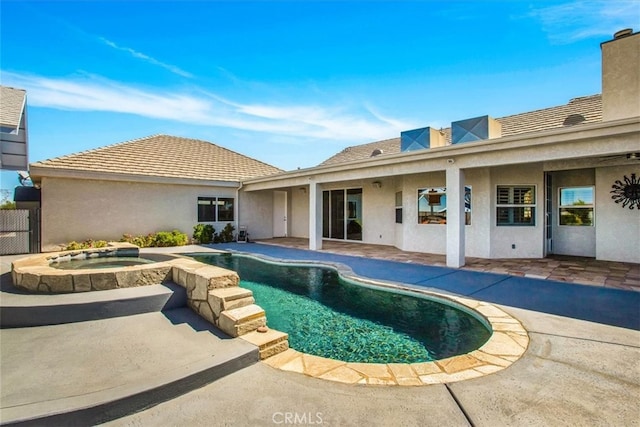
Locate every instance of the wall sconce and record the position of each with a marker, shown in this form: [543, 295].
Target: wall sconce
[451, 161]
[377, 184]
[303, 190]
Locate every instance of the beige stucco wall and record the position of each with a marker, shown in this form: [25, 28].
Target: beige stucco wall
[299, 215]
[256, 213]
[572, 240]
[528, 240]
[378, 213]
[621, 78]
[431, 238]
[617, 228]
[74, 209]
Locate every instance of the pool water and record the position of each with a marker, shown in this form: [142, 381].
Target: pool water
[327, 316]
[100, 262]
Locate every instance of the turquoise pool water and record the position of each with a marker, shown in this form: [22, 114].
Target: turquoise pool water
[327, 316]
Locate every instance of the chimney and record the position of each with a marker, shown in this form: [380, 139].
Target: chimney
[621, 76]
[476, 129]
[419, 139]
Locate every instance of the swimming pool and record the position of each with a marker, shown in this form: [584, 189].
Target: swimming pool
[330, 317]
[100, 263]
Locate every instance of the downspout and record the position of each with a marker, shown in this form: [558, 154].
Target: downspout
[238, 205]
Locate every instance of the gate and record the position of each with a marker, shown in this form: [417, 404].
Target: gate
[19, 231]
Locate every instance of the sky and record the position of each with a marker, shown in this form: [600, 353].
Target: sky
[292, 83]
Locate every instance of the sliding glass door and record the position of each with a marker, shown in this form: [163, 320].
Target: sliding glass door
[342, 214]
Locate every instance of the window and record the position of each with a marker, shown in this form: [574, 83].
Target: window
[225, 209]
[399, 207]
[212, 209]
[576, 206]
[515, 205]
[432, 205]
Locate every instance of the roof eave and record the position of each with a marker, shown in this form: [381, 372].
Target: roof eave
[37, 172]
[542, 139]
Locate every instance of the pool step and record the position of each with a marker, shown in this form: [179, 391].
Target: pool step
[223, 299]
[242, 320]
[269, 343]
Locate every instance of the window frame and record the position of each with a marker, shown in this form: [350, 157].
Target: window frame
[214, 204]
[512, 206]
[591, 206]
[399, 207]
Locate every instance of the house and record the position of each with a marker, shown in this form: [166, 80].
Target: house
[13, 129]
[141, 186]
[561, 180]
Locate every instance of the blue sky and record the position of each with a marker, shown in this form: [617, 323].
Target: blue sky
[292, 83]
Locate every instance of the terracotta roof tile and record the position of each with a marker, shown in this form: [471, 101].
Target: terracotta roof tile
[586, 109]
[12, 102]
[165, 156]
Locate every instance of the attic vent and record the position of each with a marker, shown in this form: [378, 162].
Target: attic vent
[573, 119]
[376, 152]
[476, 129]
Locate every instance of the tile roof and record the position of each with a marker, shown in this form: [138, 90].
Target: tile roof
[586, 109]
[12, 102]
[164, 156]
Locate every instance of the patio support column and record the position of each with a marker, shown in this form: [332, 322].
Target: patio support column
[315, 216]
[455, 217]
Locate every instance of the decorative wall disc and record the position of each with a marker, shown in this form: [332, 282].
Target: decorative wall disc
[627, 192]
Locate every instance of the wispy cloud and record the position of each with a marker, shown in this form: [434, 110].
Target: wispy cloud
[569, 22]
[94, 93]
[147, 58]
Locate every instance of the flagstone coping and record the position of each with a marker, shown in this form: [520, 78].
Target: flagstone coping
[507, 344]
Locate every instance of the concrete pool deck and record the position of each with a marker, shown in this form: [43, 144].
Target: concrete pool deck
[582, 366]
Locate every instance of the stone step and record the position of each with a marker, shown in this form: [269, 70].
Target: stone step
[228, 299]
[269, 343]
[242, 320]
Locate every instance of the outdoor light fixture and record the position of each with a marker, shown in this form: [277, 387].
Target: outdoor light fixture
[377, 184]
[303, 190]
[633, 156]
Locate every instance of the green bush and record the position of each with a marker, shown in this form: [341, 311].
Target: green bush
[87, 244]
[226, 235]
[140, 241]
[170, 238]
[203, 233]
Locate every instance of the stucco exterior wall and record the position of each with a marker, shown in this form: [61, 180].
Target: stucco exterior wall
[299, 216]
[256, 213]
[572, 240]
[620, 78]
[94, 209]
[378, 213]
[528, 240]
[617, 228]
[430, 238]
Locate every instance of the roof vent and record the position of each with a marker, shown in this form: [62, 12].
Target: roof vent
[573, 119]
[476, 129]
[418, 139]
[623, 33]
[376, 152]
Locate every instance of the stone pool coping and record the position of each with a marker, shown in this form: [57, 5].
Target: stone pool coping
[36, 273]
[507, 344]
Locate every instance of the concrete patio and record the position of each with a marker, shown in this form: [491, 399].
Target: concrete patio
[582, 366]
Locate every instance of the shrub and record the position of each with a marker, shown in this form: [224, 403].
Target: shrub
[87, 244]
[203, 233]
[140, 241]
[170, 238]
[226, 235]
